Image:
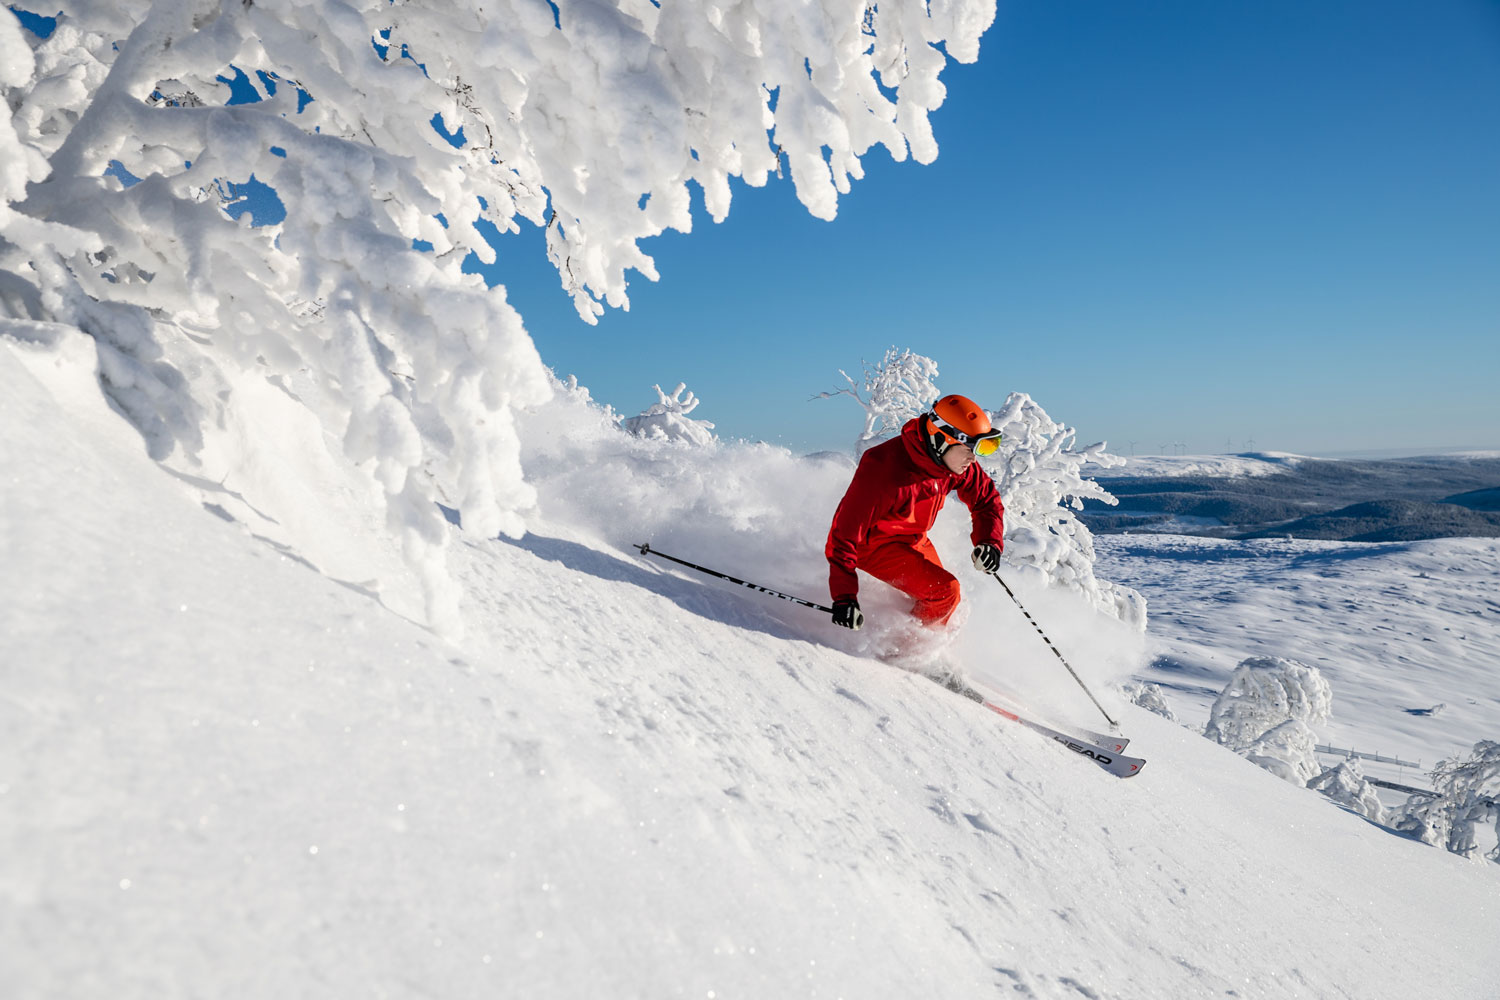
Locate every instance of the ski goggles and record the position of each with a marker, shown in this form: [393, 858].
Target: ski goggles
[982, 445]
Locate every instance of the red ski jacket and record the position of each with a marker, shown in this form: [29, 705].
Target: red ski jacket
[895, 495]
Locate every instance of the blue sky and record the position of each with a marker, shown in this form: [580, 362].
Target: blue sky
[1206, 223]
[1199, 225]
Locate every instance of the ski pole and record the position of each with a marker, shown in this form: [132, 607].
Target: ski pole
[1112, 723]
[647, 550]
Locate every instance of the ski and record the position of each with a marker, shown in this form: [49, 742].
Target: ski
[1106, 751]
[1114, 744]
[1112, 761]
[1118, 744]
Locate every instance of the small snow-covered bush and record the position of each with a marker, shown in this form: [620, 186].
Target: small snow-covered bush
[1038, 473]
[668, 420]
[1262, 693]
[1264, 711]
[1151, 698]
[1468, 796]
[898, 388]
[1347, 785]
[1287, 751]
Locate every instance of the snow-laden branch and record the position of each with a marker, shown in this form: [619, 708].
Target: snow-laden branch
[1037, 470]
[588, 117]
[898, 388]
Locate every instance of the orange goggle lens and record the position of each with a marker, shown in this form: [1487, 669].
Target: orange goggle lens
[983, 446]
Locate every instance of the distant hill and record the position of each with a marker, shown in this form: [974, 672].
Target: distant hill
[1488, 499]
[1388, 521]
[1355, 500]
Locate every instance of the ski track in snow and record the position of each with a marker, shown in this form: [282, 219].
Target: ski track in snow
[225, 773]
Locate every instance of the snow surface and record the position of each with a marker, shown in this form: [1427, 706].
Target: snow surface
[1396, 628]
[228, 772]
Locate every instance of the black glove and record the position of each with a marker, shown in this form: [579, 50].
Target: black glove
[846, 613]
[987, 557]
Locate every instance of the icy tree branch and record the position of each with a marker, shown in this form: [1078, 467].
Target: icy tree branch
[124, 162]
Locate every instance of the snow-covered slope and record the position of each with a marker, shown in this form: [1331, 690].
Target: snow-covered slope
[1405, 632]
[226, 773]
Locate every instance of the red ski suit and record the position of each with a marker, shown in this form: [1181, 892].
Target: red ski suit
[881, 524]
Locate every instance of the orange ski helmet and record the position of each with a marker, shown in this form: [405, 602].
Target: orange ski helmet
[956, 419]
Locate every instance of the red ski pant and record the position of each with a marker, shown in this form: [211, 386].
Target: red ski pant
[914, 568]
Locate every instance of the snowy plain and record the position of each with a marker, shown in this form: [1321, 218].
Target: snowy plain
[1404, 631]
[232, 769]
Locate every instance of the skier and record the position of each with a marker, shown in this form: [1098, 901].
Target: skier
[881, 524]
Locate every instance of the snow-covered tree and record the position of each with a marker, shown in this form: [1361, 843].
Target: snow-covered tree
[125, 165]
[1347, 785]
[1287, 750]
[667, 419]
[1468, 796]
[898, 388]
[1262, 693]
[1152, 698]
[1038, 473]
[1264, 711]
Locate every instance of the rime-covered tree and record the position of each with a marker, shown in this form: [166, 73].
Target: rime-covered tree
[1347, 785]
[1038, 470]
[892, 392]
[1264, 711]
[1468, 796]
[1150, 697]
[124, 165]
